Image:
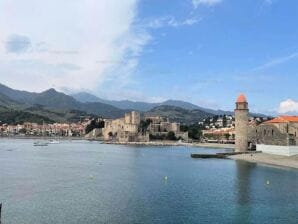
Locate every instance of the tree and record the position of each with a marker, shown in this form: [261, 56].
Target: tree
[145, 124]
[23, 131]
[224, 121]
[215, 118]
[183, 128]
[227, 136]
[95, 124]
[194, 132]
[171, 136]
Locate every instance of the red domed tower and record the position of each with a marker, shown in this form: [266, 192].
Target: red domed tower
[241, 124]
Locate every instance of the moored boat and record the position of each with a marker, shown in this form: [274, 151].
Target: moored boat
[40, 144]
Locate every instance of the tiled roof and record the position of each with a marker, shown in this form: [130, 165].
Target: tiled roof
[283, 119]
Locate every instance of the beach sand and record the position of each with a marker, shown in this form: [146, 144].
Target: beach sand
[285, 161]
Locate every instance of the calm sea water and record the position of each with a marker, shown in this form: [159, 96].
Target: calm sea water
[88, 182]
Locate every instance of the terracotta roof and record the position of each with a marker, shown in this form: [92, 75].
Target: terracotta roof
[283, 119]
[241, 99]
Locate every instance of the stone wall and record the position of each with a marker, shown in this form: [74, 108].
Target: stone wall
[241, 130]
[274, 134]
[278, 150]
[124, 129]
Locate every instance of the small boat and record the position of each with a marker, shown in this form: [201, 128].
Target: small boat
[40, 144]
[52, 141]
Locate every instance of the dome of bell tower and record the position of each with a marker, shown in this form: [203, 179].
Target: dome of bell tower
[241, 99]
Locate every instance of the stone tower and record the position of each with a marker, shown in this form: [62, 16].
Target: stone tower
[241, 124]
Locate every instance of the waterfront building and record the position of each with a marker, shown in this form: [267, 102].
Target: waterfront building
[277, 136]
[219, 135]
[130, 129]
[125, 129]
[34, 129]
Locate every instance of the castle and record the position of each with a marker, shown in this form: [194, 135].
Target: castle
[124, 129]
[131, 128]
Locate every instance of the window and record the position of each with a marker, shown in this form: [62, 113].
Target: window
[272, 132]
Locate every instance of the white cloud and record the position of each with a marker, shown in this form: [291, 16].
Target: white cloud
[17, 44]
[196, 3]
[276, 61]
[288, 106]
[170, 21]
[60, 43]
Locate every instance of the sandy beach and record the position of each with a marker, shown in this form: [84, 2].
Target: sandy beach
[275, 160]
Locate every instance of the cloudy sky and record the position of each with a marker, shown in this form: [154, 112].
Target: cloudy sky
[202, 51]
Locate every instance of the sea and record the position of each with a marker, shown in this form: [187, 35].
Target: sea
[88, 182]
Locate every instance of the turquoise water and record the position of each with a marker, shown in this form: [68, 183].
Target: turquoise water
[88, 182]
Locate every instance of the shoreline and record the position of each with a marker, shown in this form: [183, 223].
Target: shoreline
[268, 159]
[150, 143]
[42, 137]
[259, 158]
[169, 143]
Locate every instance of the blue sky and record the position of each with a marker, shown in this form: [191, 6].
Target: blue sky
[202, 51]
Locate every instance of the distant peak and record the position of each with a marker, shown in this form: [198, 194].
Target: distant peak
[51, 90]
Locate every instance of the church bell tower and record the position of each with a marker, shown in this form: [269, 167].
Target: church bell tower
[241, 124]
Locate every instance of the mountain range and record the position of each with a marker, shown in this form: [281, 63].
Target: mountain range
[85, 97]
[51, 105]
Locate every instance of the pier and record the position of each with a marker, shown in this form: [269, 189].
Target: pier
[223, 155]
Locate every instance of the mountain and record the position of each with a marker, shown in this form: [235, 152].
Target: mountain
[10, 116]
[134, 105]
[17, 95]
[178, 114]
[59, 107]
[85, 97]
[5, 101]
[53, 100]
[182, 104]
[121, 104]
[143, 106]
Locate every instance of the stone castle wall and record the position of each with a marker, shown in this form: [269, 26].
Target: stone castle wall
[123, 129]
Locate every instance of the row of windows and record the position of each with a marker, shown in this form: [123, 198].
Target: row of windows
[265, 132]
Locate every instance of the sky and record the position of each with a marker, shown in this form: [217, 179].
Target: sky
[205, 52]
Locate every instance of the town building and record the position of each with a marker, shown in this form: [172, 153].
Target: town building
[219, 135]
[51, 130]
[277, 136]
